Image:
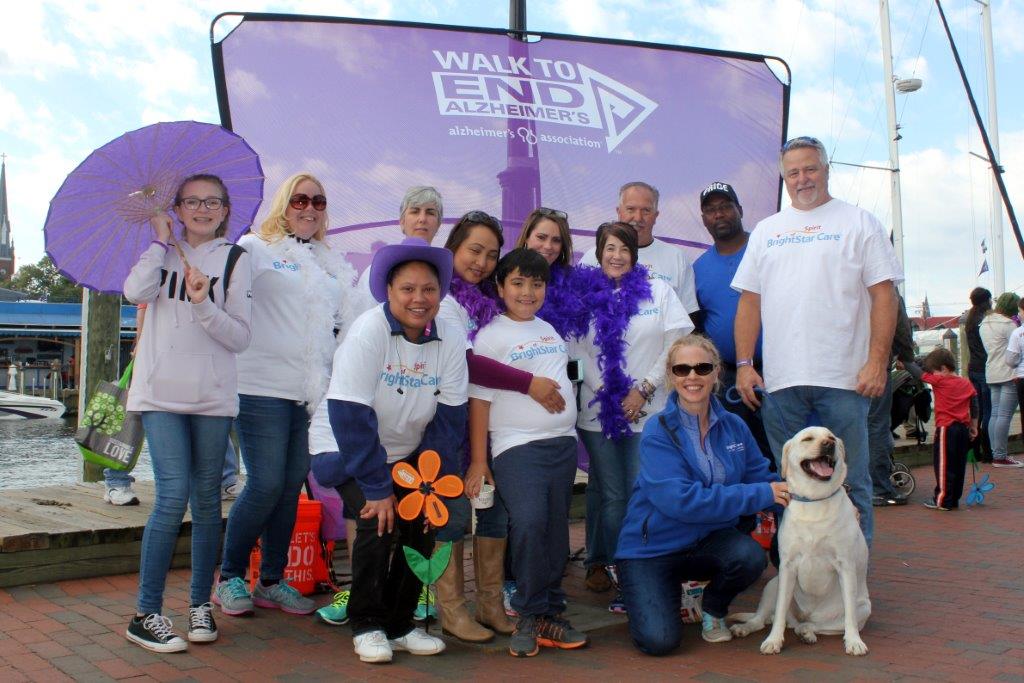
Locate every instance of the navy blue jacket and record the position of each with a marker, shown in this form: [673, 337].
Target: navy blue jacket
[674, 503]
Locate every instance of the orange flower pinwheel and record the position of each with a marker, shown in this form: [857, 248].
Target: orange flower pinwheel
[425, 496]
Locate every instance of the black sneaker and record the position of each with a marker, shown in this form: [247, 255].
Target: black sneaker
[153, 632]
[201, 626]
[523, 642]
[558, 632]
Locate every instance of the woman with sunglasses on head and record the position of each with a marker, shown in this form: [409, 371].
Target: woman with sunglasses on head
[700, 471]
[546, 231]
[633, 322]
[475, 243]
[198, 317]
[304, 301]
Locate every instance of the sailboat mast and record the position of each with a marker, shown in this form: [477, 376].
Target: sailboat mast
[998, 268]
[894, 136]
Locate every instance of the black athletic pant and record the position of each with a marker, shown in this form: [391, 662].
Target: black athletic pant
[949, 457]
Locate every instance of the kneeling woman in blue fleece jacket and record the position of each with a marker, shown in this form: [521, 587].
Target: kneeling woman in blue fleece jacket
[700, 470]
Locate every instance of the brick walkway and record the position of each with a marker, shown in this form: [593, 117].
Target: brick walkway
[947, 591]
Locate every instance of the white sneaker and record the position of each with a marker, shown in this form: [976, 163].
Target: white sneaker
[232, 491]
[121, 496]
[373, 647]
[417, 642]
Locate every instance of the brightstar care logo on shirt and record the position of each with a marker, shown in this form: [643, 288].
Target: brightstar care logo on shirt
[404, 376]
[538, 347]
[805, 235]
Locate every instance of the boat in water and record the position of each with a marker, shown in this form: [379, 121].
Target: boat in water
[21, 407]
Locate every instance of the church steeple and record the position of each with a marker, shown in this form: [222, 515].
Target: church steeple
[6, 240]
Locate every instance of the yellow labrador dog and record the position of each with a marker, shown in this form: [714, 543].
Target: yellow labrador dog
[822, 581]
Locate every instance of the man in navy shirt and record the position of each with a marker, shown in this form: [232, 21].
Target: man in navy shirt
[723, 217]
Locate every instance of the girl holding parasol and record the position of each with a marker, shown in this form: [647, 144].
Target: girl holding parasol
[199, 308]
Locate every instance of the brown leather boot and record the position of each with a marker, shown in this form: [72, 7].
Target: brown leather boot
[451, 602]
[489, 563]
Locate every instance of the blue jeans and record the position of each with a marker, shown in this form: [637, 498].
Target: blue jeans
[274, 433]
[230, 473]
[651, 586]
[187, 452]
[1004, 402]
[534, 481]
[843, 411]
[880, 442]
[597, 550]
[616, 463]
[117, 479]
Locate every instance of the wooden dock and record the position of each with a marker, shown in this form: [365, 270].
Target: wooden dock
[67, 532]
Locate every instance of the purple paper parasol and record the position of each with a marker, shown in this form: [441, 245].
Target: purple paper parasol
[98, 223]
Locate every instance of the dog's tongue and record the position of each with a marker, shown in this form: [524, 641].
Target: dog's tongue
[821, 468]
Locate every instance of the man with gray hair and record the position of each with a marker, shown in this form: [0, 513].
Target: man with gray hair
[818, 278]
[638, 206]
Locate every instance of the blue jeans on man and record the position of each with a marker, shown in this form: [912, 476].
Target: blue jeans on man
[274, 433]
[187, 452]
[880, 444]
[843, 411]
[651, 586]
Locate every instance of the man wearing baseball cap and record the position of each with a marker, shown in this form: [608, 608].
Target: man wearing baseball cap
[722, 214]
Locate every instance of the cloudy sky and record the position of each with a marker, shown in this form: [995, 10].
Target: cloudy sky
[74, 75]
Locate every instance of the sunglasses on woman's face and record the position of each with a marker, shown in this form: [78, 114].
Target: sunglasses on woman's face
[301, 201]
[683, 369]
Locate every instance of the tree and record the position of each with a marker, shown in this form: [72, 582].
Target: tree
[44, 281]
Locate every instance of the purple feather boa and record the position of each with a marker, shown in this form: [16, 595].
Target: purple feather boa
[480, 301]
[612, 308]
[563, 307]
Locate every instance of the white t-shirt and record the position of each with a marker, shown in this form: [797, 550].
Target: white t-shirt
[659, 319]
[294, 314]
[454, 312]
[666, 262]
[532, 346]
[403, 382]
[812, 270]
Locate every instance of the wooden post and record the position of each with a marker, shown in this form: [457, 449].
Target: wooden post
[101, 337]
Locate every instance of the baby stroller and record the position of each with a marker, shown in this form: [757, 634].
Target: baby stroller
[908, 393]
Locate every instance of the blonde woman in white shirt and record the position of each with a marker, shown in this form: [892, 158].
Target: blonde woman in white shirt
[303, 300]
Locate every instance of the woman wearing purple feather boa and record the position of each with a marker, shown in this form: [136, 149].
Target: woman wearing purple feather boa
[634, 321]
[475, 243]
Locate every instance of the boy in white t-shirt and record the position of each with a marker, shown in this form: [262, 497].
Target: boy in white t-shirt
[534, 454]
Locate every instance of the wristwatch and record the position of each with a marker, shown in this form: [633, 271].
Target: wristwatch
[745, 362]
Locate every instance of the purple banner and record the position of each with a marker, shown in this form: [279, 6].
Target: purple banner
[498, 124]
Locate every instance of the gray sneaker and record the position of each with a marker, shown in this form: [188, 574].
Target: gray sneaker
[233, 597]
[283, 597]
[523, 642]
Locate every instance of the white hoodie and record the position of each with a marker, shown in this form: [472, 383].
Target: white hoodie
[995, 330]
[185, 359]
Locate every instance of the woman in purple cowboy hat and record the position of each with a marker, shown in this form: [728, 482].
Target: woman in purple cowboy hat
[398, 388]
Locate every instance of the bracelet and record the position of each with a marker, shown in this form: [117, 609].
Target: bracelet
[161, 244]
[746, 362]
[646, 390]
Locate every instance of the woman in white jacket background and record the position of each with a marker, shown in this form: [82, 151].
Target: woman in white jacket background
[184, 383]
[303, 297]
[995, 330]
